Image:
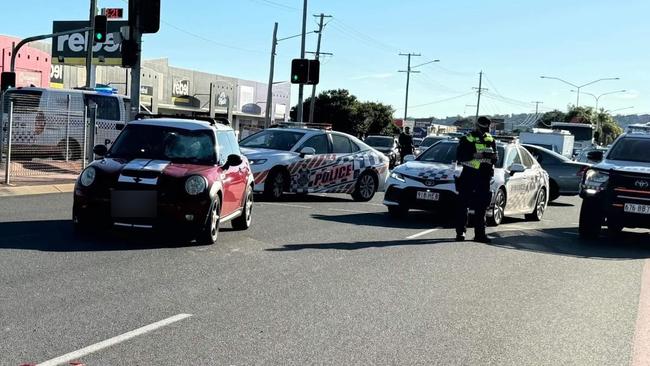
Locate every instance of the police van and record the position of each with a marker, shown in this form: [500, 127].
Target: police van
[49, 123]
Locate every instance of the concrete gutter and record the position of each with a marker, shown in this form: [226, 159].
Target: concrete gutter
[8, 191]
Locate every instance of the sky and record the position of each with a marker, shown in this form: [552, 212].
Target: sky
[512, 42]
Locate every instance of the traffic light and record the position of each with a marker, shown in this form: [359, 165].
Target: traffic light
[129, 53]
[100, 29]
[145, 15]
[7, 80]
[299, 71]
[314, 72]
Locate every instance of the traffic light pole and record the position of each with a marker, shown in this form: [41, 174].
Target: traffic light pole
[90, 68]
[269, 92]
[299, 115]
[20, 44]
[317, 56]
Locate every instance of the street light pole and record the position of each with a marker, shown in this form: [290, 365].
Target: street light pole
[578, 87]
[269, 92]
[408, 71]
[302, 56]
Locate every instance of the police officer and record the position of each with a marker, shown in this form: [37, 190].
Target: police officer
[477, 153]
[405, 144]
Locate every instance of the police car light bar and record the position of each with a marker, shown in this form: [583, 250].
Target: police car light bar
[210, 120]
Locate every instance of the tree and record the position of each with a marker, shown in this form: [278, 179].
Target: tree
[550, 117]
[347, 114]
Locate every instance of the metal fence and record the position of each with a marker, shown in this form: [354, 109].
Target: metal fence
[47, 135]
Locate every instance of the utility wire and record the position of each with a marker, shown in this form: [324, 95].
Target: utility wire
[439, 101]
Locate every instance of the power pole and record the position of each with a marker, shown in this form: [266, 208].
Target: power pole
[480, 90]
[317, 56]
[537, 103]
[269, 92]
[90, 69]
[408, 72]
[302, 55]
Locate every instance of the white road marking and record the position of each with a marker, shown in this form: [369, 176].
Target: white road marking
[425, 232]
[372, 204]
[112, 341]
[344, 210]
[516, 227]
[285, 205]
[641, 350]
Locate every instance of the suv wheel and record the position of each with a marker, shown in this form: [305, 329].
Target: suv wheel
[591, 219]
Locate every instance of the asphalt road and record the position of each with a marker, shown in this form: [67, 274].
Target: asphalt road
[318, 280]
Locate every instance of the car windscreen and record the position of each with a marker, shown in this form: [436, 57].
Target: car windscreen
[631, 149]
[428, 141]
[445, 153]
[376, 141]
[164, 143]
[272, 139]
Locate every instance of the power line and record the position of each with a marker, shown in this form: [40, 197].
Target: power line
[275, 4]
[439, 101]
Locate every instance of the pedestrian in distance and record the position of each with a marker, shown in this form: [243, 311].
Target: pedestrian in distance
[477, 153]
[405, 144]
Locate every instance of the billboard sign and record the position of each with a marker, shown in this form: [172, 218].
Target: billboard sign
[70, 49]
[56, 76]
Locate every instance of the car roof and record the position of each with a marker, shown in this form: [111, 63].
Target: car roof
[384, 136]
[185, 124]
[639, 134]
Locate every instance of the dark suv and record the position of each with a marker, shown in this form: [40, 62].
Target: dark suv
[165, 173]
[616, 191]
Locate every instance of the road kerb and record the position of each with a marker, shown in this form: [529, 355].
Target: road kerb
[38, 189]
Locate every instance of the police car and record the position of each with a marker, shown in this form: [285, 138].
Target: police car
[616, 191]
[519, 186]
[310, 158]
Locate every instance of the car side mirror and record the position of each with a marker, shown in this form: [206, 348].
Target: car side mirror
[517, 168]
[100, 150]
[119, 126]
[408, 158]
[307, 151]
[595, 155]
[233, 160]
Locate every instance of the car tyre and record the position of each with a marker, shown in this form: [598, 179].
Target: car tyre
[540, 207]
[275, 185]
[243, 222]
[498, 210]
[591, 219]
[554, 192]
[210, 231]
[398, 212]
[365, 187]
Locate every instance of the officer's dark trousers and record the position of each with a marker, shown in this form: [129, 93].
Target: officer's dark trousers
[473, 192]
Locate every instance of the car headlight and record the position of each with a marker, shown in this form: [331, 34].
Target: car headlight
[256, 161]
[195, 184]
[595, 180]
[88, 176]
[397, 176]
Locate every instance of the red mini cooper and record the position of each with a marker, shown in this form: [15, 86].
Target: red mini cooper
[187, 176]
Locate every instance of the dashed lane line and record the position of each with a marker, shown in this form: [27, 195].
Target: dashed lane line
[75, 355]
[285, 205]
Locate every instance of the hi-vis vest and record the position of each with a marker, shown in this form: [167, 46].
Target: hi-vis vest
[485, 145]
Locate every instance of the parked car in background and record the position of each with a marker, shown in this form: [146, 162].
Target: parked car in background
[310, 158]
[520, 185]
[430, 140]
[386, 145]
[565, 175]
[163, 173]
[583, 156]
[417, 141]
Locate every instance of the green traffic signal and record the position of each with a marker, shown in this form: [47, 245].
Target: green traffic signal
[98, 36]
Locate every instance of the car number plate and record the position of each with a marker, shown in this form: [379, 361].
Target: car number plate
[637, 209]
[134, 204]
[428, 196]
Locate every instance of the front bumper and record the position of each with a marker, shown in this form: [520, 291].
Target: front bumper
[612, 204]
[171, 213]
[404, 194]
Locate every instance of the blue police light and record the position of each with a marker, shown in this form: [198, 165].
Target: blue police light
[105, 89]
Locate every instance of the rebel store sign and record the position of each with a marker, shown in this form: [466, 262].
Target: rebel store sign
[70, 49]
